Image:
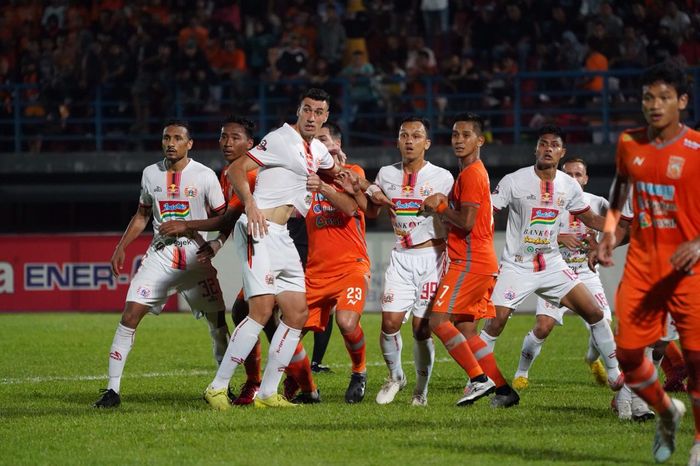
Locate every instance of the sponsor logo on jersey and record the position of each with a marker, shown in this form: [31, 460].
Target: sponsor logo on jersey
[665, 191]
[158, 189]
[173, 189]
[543, 215]
[675, 167]
[190, 191]
[531, 197]
[692, 144]
[407, 189]
[638, 161]
[644, 220]
[498, 187]
[174, 210]
[407, 207]
[262, 145]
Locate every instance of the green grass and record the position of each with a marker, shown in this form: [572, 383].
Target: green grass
[52, 366]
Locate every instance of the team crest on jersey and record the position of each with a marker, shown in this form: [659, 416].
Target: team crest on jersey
[269, 279]
[173, 189]
[426, 190]
[262, 145]
[543, 216]
[509, 294]
[190, 191]
[307, 200]
[143, 292]
[644, 220]
[675, 167]
[388, 297]
[174, 210]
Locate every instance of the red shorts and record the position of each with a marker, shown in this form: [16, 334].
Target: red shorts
[461, 292]
[344, 293]
[641, 313]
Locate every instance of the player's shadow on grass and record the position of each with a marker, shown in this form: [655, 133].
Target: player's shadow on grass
[586, 412]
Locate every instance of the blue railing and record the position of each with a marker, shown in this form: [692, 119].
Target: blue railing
[368, 110]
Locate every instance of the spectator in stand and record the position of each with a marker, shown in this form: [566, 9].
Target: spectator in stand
[519, 32]
[263, 38]
[596, 61]
[662, 47]
[436, 17]
[420, 80]
[676, 21]
[193, 76]
[612, 24]
[228, 64]
[690, 47]
[645, 24]
[633, 53]
[292, 60]
[145, 52]
[116, 79]
[360, 75]
[57, 9]
[356, 26]
[331, 40]
[604, 43]
[194, 31]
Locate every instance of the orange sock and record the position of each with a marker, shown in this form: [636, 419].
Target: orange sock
[300, 369]
[486, 360]
[458, 348]
[252, 364]
[693, 360]
[644, 381]
[355, 344]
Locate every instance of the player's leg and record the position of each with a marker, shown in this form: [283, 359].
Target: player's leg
[580, 301]
[321, 340]
[672, 361]
[532, 343]
[299, 370]
[219, 334]
[391, 344]
[592, 357]
[252, 363]
[349, 307]
[423, 358]
[121, 346]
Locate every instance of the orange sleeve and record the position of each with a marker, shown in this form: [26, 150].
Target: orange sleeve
[235, 202]
[471, 187]
[620, 154]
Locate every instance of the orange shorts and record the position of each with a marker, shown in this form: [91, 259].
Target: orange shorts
[641, 313]
[345, 293]
[461, 292]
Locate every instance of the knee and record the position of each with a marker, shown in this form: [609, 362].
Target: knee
[346, 323]
[495, 326]
[422, 333]
[629, 360]
[391, 325]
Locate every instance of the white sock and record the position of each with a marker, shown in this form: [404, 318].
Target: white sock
[219, 342]
[121, 345]
[488, 339]
[592, 354]
[530, 350]
[423, 358]
[243, 338]
[282, 347]
[605, 343]
[391, 346]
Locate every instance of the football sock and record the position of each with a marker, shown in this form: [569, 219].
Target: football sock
[488, 339]
[219, 341]
[355, 344]
[243, 338]
[486, 359]
[391, 345]
[692, 359]
[592, 353]
[642, 378]
[458, 347]
[672, 360]
[252, 364]
[300, 369]
[121, 345]
[423, 358]
[321, 340]
[530, 350]
[282, 348]
[605, 343]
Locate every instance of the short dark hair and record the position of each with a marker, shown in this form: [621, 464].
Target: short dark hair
[419, 119]
[576, 160]
[668, 72]
[333, 129]
[178, 122]
[247, 125]
[315, 93]
[475, 119]
[551, 129]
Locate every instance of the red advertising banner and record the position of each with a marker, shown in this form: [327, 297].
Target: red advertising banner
[66, 272]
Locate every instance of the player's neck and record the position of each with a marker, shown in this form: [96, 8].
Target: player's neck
[177, 166]
[305, 138]
[468, 160]
[546, 174]
[413, 166]
[664, 134]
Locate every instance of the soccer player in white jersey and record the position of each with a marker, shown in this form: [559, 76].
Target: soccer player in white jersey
[288, 159]
[417, 260]
[537, 196]
[175, 188]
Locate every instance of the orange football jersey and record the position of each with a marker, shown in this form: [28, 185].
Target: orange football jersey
[227, 187]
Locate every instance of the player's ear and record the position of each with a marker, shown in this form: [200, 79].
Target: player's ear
[427, 143]
[683, 102]
[190, 143]
[250, 144]
[480, 141]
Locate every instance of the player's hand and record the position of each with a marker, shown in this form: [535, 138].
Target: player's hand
[686, 256]
[349, 181]
[174, 228]
[117, 260]
[605, 250]
[313, 182]
[257, 223]
[380, 199]
[569, 241]
[339, 156]
[207, 251]
[432, 202]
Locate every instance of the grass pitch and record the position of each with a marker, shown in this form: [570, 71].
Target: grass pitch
[52, 366]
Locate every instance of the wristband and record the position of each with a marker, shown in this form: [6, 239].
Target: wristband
[372, 190]
[611, 220]
[221, 243]
[442, 207]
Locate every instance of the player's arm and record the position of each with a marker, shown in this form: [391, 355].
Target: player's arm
[340, 200]
[591, 219]
[136, 226]
[351, 183]
[611, 231]
[237, 175]
[218, 222]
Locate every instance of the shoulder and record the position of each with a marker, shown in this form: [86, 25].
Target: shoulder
[388, 170]
[357, 169]
[317, 147]
[633, 136]
[202, 169]
[438, 172]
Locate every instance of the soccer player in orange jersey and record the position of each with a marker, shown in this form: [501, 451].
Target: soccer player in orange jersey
[463, 295]
[662, 163]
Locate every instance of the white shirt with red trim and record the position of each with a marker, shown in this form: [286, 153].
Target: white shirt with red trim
[184, 195]
[285, 161]
[407, 192]
[535, 208]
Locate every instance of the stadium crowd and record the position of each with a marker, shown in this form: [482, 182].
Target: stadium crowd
[139, 54]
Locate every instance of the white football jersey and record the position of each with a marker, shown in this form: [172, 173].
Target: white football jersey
[184, 195]
[286, 160]
[577, 259]
[535, 208]
[407, 192]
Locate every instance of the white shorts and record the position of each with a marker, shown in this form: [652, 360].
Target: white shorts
[671, 331]
[411, 280]
[514, 286]
[271, 264]
[592, 282]
[157, 279]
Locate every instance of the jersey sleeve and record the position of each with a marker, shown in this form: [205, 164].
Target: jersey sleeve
[621, 154]
[447, 183]
[267, 152]
[380, 179]
[627, 212]
[577, 204]
[471, 187]
[146, 197]
[325, 160]
[214, 195]
[501, 196]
